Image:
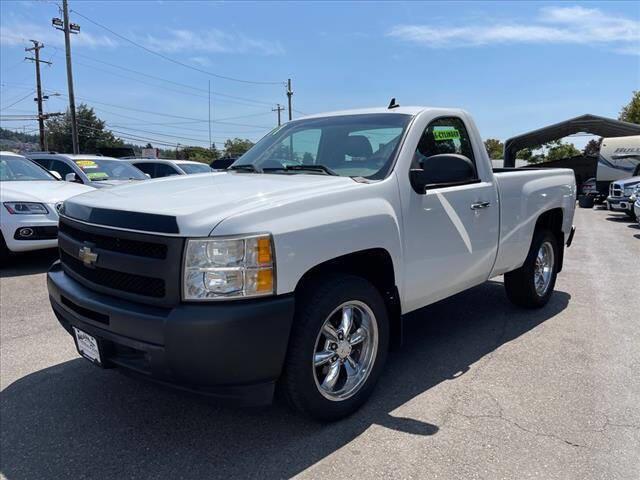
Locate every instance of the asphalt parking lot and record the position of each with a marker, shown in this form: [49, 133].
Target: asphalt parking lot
[480, 390]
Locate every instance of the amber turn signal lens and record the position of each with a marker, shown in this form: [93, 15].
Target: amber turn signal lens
[264, 250]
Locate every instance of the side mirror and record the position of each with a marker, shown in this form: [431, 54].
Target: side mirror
[70, 177]
[147, 175]
[442, 170]
[55, 174]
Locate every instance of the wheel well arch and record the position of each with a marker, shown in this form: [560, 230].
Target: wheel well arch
[552, 220]
[374, 265]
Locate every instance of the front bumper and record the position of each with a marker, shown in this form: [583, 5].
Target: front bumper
[233, 350]
[621, 204]
[41, 225]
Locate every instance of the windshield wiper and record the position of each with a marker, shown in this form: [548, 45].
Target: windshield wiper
[313, 168]
[248, 167]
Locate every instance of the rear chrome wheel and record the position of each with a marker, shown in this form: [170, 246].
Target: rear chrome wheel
[544, 267]
[532, 284]
[345, 350]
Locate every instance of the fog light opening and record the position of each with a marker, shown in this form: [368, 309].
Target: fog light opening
[26, 232]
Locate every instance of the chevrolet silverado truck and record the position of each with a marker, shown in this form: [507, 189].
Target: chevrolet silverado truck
[293, 270]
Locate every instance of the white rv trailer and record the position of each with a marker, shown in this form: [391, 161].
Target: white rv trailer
[619, 158]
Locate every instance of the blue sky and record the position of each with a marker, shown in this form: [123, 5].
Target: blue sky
[514, 66]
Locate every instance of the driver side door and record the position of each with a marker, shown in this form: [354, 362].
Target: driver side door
[451, 230]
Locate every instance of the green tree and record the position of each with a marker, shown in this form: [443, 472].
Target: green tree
[528, 155]
[236, 146]
[631, 111]
[592, 148]
[558, 150]
[198, 154]
[91, 132]
[494, 148]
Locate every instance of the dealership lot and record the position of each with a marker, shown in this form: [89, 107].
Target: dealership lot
[481, 390]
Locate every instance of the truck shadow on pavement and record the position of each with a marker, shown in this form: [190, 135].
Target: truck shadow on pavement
[73, 420]
[29, 263]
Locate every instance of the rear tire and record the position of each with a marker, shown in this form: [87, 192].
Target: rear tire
[531, 285]
[315, 357]
[585, 201]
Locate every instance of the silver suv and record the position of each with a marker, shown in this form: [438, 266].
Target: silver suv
[93, 170]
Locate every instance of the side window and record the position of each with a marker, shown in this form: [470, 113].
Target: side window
[444, 135]
[164, 170]
[147, 168]
[60, 167]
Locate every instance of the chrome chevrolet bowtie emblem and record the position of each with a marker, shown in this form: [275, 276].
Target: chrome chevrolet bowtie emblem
[87, 256]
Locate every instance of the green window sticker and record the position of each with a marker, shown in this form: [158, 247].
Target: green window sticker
[97, 176]
[447, 133]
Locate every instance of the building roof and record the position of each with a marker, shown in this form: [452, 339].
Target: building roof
[602, 126]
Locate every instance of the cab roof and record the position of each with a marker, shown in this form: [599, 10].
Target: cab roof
[410, 110]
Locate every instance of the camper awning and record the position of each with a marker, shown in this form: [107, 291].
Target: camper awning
[593, 124]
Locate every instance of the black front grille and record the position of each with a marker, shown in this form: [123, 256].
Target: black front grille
[125, 282]
[116, 244]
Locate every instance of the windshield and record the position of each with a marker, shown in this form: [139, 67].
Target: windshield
[98, 170]
[19, 169]
[350, 145]
[190, 168]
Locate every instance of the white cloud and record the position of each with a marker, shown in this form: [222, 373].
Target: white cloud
[19, 33]
[554, 25]
[210, 41]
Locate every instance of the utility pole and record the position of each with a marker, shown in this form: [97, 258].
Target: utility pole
[279, 108]
[210, 144]
[36, 59]
[69, 28]
[289, 95]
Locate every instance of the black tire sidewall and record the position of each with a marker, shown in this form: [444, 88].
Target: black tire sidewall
[539, 238]
[312, 310]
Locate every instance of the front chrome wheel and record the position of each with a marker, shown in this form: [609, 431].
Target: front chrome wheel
[345, 350]
[543, 269]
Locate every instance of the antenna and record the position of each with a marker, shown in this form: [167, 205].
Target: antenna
[393, 104]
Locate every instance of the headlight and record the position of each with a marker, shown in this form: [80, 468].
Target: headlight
[25, 208]
[232, 267]
[629, 190]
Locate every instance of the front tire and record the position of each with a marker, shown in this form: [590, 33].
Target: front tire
[338, 347]
[532, 284]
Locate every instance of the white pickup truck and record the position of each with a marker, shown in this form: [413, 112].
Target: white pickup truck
[294, 269]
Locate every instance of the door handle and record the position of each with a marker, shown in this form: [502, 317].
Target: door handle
[479, 205]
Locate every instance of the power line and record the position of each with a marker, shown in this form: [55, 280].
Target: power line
[236, 100]
[168, 115]
[179, 84]
[170, 59]
[18, 101]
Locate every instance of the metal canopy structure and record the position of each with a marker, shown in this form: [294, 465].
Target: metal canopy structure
[593, 124]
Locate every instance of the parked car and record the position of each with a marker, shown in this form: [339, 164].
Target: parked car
[159, 167]
[28, 193]
[589, 194]
[93, 170]
[296, 267]
[636, 205]
[620, 193]
[223, 163]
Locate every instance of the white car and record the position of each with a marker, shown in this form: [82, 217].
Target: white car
[161, 167]
[29, 194]
[296, 266]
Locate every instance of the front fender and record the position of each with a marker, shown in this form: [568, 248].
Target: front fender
[311, 231]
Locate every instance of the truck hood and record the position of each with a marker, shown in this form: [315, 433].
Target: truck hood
[46, 191]
[196, 203]
[628, 182]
